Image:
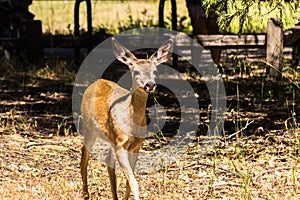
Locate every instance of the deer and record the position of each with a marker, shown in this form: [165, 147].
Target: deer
[118, 116]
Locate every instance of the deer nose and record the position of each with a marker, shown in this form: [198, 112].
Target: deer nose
[150, 86]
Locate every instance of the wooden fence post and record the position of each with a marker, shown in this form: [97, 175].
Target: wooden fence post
[274, 46]
[34, 42]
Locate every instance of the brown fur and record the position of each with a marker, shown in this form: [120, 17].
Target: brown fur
[119, 116]
[96, 107]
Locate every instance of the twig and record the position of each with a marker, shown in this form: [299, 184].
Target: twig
[226, 183]
[244, 128]
[41, 144]
[15, 152]
[273, 170]
[197, 164]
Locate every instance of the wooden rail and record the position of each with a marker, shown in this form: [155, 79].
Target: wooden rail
[273, 41]
[232, 41]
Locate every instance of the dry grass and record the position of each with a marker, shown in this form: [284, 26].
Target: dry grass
[40, 150]
[266, 168]
[39, 168]
[36, 163]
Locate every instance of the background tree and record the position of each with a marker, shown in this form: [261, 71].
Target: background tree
[242, 16]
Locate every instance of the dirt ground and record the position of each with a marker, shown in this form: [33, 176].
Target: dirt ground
[257, 157]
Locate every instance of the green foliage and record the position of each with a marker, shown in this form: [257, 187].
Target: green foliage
[145, 19]
[133, 20]
[183, 23]
[244, 16]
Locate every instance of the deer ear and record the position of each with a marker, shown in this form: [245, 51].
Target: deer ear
[163, 53]
[123, 54]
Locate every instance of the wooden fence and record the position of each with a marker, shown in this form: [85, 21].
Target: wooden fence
[273, 42]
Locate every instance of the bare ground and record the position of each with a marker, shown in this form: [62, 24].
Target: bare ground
[40, 148]
[265, 168]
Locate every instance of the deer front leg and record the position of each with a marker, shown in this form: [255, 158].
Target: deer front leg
[122, 157]
[110, 161]
[132, 160]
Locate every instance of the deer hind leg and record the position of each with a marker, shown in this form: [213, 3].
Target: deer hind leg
[83, 169]
[110, 161]
[87, 146]
[122, 157]
[132, 160]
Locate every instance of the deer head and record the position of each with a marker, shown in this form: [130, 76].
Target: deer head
[143, 70]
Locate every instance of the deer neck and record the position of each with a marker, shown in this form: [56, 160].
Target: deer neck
[138, 103]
